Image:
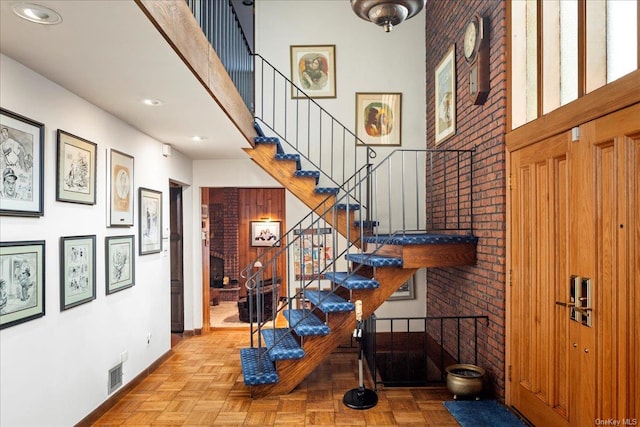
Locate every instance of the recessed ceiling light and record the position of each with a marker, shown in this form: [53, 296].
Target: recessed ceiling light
[198, 138]
[152, 102]
[36, 13]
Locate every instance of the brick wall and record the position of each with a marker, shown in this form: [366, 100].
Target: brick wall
[479, 289]
[230, 238]
[223, 228]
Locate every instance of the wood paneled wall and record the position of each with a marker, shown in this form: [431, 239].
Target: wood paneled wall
[246, 204]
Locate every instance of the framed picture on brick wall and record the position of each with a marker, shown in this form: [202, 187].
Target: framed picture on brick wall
[445, 99]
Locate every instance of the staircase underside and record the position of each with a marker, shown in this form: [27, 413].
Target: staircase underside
[427, 250]
[396, 260]
[342, 324]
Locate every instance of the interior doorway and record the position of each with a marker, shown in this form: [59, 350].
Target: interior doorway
[227, 215]
[177, 262]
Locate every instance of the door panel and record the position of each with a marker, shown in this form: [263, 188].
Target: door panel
[616, 142]
[540, 344]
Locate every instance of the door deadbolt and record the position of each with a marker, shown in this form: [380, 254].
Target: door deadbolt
[580, 299]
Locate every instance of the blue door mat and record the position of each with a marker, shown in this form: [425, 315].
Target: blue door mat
[482, 413]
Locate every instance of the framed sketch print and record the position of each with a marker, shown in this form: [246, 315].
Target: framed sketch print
[75, 169]
[21, 165]
[120, 189]
[445, 108]
[406, 291]
[313, 71]
[119, 263]
[150, 221]
[21, 282]
[379, 118]
[265, 233]
[77, 270]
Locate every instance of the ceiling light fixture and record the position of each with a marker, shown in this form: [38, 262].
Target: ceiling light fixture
[35, 13]
[387, 13]
[198, 138]
[152, 102]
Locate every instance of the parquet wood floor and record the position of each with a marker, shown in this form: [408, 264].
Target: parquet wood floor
[201, 385]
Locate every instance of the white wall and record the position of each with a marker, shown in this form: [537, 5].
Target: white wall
[367, 60]
[54, 369]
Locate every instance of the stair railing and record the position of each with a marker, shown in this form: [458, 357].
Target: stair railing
[294, 245]
[438, 341]
[322, 141]
[400, 202]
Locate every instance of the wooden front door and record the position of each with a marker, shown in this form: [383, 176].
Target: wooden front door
[574, 242]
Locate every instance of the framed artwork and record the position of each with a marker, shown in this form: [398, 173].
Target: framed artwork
[406, 291]
[119, 263]
[379, 118]
[21, 282]
[445, 108]
[120, 189]
[21, 165]
[150, 220]
[313, 71]
[312, 253]
[265, 233]
[77, 270]
[75, 169]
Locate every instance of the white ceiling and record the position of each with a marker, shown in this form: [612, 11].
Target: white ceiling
[108, 53]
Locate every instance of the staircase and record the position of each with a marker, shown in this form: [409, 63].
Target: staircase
[376, 266]
[411, 210]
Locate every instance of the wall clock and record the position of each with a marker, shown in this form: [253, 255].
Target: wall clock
[476, 53]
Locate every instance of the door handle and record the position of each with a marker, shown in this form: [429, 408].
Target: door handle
[566, 304]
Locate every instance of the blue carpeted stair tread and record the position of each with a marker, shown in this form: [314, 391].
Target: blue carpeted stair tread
[352, 281]
[326, 190]
[289, 157]
[281, 344]
[256, 371]
[420, 239]
[258, 129]
[375, 260]
[270, 140]
[350, 206]
[305, 323]
[328, 302]
[308, 173]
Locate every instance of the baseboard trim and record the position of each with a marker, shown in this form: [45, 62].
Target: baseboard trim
[115, 398]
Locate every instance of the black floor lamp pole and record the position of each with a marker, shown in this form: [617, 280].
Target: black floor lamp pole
[361, 397]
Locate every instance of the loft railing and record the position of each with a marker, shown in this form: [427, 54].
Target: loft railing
[415, 351]
[312, 247]
[221, 26]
